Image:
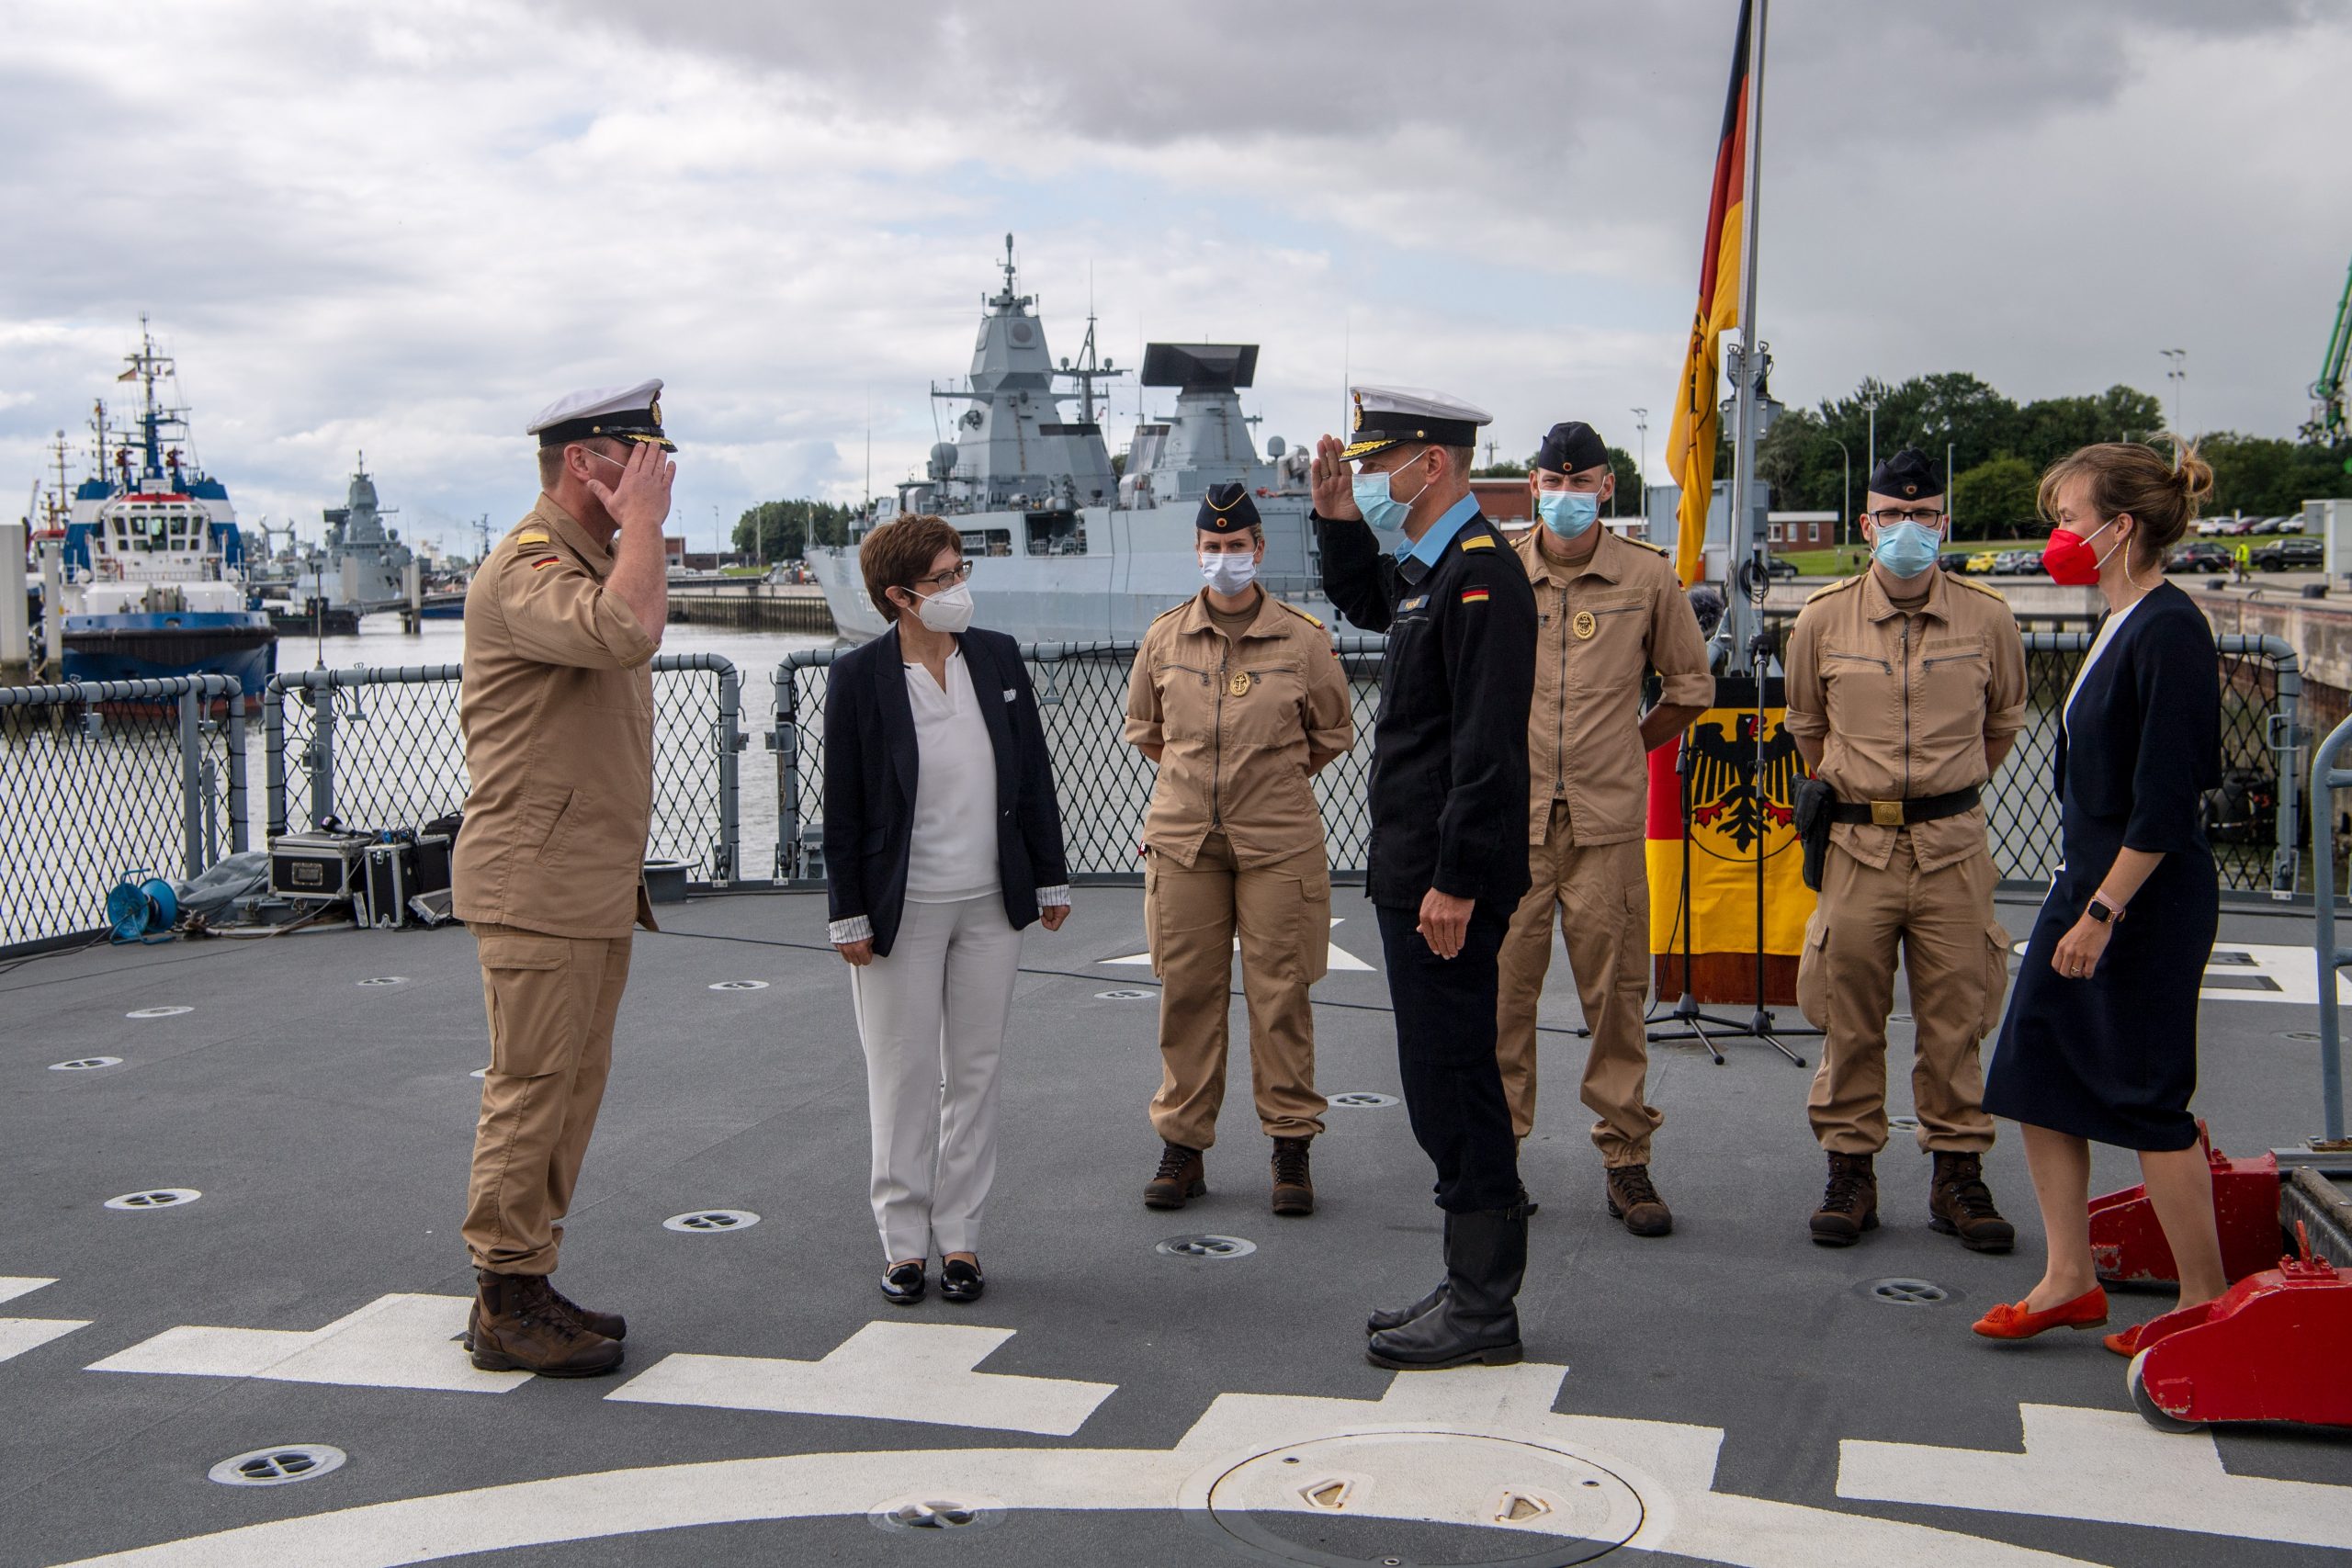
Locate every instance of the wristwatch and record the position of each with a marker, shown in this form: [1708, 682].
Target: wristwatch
[2102, 911]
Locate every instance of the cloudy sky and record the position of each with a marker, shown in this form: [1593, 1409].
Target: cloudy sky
[406, 228]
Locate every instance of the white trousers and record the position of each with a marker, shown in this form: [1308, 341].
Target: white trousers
[932, 1017]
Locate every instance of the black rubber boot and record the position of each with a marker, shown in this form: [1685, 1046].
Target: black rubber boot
[1485, 1258]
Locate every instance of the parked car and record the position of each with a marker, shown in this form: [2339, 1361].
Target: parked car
[2018, 563]
[1781, 566]
[1956, 561]
[1981, 563]
[2201, 556]
[2242, 526]
[2298, 553]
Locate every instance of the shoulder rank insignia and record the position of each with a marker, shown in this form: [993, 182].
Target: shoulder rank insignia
[1299, 613]
[1479, 542]
[531, 536]
[1839, 586]
[1654, 550]
[1473, 596]
[1984, 588]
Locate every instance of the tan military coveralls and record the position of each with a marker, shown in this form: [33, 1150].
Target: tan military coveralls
[558, 713]
[1234, 838]
[1902, 705]
[1604, 624]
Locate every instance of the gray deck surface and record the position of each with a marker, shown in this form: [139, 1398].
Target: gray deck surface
[327, 1126]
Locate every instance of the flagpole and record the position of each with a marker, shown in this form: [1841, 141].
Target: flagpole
[1743, 531]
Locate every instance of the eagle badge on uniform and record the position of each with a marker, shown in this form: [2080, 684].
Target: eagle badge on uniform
[1239, 685]
[1414, 602]
[1584, 626]
[1473, 596]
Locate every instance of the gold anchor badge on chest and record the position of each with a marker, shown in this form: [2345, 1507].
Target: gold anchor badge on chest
[1239, 685]
[1584, 626]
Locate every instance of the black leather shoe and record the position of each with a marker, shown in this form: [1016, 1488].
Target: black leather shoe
[961, 1281]
[902, 1284]
[1485, 1258]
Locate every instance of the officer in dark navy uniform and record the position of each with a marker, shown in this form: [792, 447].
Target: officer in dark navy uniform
[1449, 840]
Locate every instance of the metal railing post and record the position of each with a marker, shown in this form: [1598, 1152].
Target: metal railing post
[783, 739]
[273, 755]
[240, 831]
[729, 849]
[191, 778]
[321, 752]
[2327, 779]
[2286, 739]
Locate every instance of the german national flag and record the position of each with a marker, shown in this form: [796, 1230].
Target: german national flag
[1690, 444]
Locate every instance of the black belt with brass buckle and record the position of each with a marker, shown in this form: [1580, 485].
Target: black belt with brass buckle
[1903, 813]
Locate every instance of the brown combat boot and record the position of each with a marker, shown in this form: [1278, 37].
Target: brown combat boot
[1293, 1185]
[521, 1325]
[1182, 1175]
[611, 1324]
[1633, 1200]
[1960, 1204]
[1848, 1205]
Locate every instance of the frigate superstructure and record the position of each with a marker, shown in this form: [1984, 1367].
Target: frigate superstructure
[1065, 544]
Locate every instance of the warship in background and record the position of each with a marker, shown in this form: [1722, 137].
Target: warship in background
[361, 568]
[153, 564]
[1064, 548]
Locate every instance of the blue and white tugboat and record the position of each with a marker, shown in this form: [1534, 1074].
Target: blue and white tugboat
[154, 565]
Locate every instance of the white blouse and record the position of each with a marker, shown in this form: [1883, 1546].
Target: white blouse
[954, 854]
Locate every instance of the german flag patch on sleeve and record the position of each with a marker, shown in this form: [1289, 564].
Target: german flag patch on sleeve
[545, 561]
[1473, 596]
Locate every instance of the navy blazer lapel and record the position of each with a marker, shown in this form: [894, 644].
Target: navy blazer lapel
[989, 689]
[897, 713]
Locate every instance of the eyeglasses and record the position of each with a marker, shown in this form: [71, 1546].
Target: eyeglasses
[1893, 514]
[944, 580]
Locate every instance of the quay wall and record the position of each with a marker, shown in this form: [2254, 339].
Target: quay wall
[762, 609]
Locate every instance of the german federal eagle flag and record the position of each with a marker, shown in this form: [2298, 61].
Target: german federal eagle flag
[1691, 443]
[1740, 800]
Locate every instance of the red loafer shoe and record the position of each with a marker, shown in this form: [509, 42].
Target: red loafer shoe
[2011, 1320]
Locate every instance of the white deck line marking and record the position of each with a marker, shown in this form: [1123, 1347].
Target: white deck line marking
[1670, 1464]
[892, 1372]
[2279, 973]
[19, 1334]
[396, 1341]
[2103, 1465]
[1338, 958]
[15, 1285]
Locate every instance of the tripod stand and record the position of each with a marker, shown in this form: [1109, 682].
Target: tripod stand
[1688, 1020]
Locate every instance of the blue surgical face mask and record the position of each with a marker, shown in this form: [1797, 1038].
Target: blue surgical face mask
[1567, 512]
[1380, 508]
[1906, 549]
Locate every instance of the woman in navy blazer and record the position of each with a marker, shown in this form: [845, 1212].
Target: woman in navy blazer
[943, 841]
[2100, 1039]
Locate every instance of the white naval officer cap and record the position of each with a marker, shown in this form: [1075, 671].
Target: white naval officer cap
[1388, 415]
[620, 413]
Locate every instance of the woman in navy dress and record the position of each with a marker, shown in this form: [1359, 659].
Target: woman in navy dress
[2100, 1039]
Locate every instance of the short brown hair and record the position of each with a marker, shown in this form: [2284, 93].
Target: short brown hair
[2128, 476]
[901, 550]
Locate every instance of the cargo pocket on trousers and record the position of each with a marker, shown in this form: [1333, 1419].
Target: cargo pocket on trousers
[1152, 906]
[529, 983]
[1996, 977]
[1314, 889]
[1812, 972]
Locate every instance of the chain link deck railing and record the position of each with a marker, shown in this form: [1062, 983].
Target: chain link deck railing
[382, 747]
[103, 777]
[1104, 783]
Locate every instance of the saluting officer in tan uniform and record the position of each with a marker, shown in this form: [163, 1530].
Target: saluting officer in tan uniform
[1610, 611]
[1906, 689]
[1240, 700]
[562, 624]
